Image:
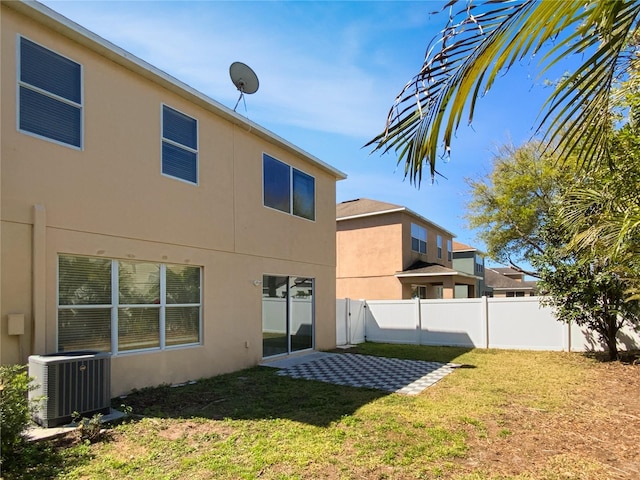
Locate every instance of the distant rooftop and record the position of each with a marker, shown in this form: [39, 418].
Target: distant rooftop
[497, 280]
[364, 207]
[461, 247]
[507, 271]
[426, 269]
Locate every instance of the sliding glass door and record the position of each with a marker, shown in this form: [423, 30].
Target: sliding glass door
[287, 314]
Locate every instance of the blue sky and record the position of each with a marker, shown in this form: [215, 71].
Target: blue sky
[329, 72]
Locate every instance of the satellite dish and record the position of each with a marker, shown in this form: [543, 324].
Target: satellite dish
[245, 80]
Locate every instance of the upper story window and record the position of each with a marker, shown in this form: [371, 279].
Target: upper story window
[50, 95]
[179, 145]
[418, 238]
[439, 241]
[288, 189]
[449, 250]
[479, 264]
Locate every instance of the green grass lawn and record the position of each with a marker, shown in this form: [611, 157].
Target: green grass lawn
[255, 424]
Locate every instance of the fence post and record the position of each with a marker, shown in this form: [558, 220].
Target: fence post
[418, 321]
[364, 320]
[484, 318]
[347, 320]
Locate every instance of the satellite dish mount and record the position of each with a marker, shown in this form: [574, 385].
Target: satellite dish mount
[245, 80]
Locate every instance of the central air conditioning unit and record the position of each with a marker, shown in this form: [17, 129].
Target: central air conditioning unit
[69, 382]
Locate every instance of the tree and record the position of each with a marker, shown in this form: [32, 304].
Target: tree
[603, 215]
[482, 41]
[591, 294]
[510, 204]
[519, 209]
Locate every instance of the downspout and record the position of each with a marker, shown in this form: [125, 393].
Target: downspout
[39, 280]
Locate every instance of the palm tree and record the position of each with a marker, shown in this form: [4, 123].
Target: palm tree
[603, 212]
[482, 41]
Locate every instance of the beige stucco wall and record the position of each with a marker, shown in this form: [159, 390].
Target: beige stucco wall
[111, 200]
[373, 288]
[369, 246]
[368, 257]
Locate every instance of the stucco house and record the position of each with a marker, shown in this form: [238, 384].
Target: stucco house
[387, 252]
[470, 260]
[143, 218]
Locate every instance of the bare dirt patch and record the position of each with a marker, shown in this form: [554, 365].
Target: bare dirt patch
[595, 436]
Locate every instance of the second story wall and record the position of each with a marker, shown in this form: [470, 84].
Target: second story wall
[369, 246]
[411, 255]
[113, 183]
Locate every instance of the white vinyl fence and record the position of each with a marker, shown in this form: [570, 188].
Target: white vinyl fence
[513, 323]
[274, 315]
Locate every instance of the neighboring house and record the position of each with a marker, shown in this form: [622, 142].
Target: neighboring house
[387, 252]
[470, 260]
[141, 217]
[507, 282]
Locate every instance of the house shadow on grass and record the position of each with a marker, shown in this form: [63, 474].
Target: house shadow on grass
[252, 394]
[260, 393]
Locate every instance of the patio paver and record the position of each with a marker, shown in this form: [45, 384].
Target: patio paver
[409, 377]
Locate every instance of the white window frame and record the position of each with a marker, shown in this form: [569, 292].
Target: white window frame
[449, 250]
[20, 83]
[115, 305]
[196, 151]
[291, 191]
[439, 244]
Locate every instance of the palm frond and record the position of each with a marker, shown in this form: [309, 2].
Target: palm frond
[481, 42]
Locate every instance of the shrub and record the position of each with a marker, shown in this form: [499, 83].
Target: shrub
[89, 429]
[15, 410]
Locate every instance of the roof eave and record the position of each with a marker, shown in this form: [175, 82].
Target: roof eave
[78, 33]
[514, 289]
[436, 274]
[371, 214]
[394, 210]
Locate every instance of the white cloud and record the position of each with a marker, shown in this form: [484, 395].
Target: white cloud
[306, 81]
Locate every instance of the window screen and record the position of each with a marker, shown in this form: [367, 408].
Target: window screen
[50, 94]
[84, 299]
[179, 145]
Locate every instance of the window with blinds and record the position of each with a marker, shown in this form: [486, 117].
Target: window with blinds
[123, 306]
[179, 145]
[50, 94]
